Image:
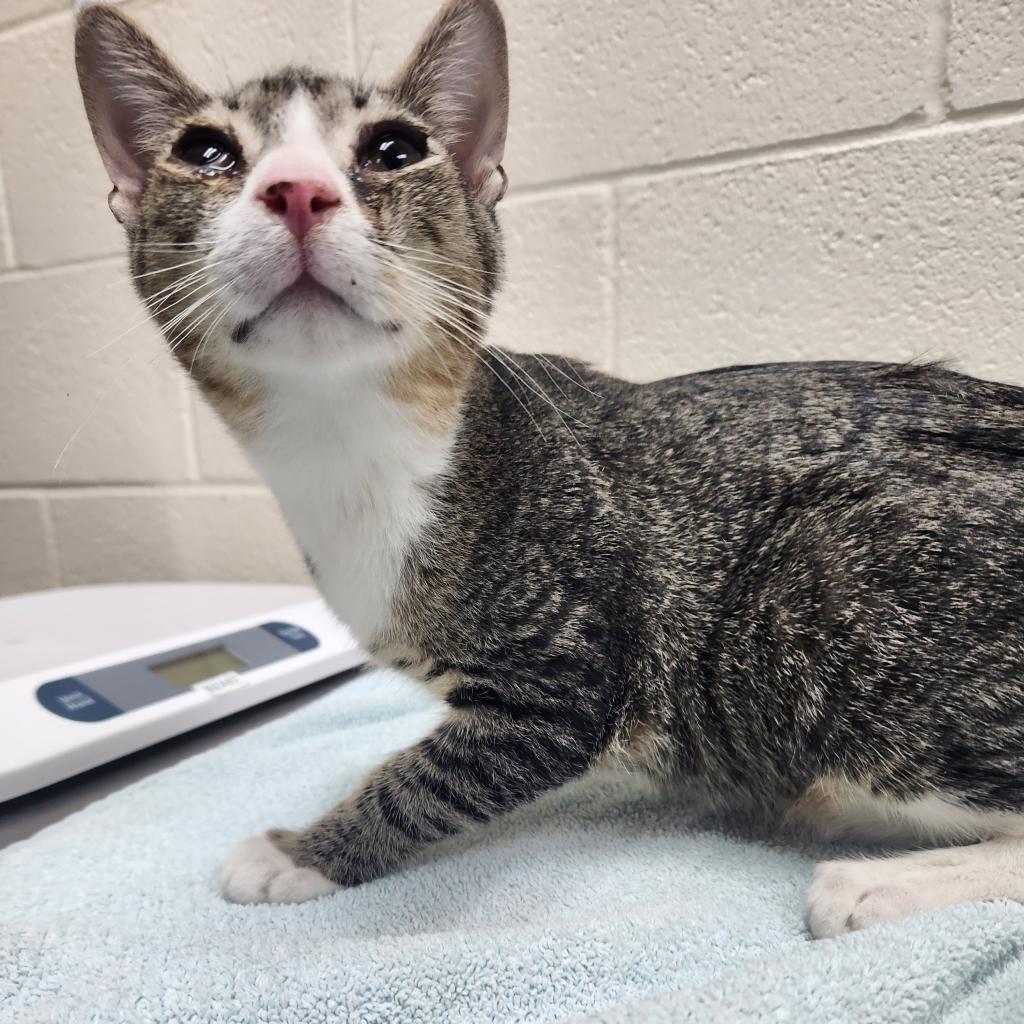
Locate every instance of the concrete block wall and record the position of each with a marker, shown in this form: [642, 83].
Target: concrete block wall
[692, 184]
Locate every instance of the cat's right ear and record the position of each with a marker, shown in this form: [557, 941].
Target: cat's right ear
[458, 78]
[133, 95]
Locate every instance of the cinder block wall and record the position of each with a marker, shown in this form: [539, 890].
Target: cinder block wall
[693, 184]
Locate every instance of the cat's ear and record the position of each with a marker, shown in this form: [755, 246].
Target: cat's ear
[133, 95]
[458, 78]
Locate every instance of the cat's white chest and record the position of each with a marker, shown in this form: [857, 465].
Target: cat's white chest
[351, 471]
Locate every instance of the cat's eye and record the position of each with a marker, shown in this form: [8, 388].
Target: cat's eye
[392, 149]
[208, 150]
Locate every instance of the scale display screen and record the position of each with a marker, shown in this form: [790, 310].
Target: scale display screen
[194, 668]
[125, 686]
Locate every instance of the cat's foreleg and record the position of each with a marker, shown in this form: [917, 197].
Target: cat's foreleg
[481, 762]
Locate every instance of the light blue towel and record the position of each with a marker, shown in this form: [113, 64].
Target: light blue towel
[603, 902]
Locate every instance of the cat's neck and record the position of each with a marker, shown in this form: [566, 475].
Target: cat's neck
[351, 468]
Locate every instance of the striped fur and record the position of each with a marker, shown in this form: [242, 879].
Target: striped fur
[794, 586]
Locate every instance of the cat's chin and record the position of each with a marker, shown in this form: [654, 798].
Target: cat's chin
[309, 294]
[306, 303]
[309, 333]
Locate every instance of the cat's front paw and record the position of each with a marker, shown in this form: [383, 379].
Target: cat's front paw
[258, 872]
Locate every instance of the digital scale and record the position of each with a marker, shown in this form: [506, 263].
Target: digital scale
[89, 674]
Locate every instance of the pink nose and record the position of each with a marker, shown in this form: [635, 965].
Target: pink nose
[300, 202]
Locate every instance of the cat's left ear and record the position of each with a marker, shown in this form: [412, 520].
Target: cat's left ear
[457, 77]
[133, 95]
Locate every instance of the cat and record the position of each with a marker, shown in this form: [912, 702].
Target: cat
[798, 586]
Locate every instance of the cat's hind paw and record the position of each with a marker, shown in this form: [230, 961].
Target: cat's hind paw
[850, 895]
[258, 872]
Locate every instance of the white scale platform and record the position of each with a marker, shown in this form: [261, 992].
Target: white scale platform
[89, 674]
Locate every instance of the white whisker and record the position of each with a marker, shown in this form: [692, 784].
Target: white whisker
[429, 304]
[167, 300]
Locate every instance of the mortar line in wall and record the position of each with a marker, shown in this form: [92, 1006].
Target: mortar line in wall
[137, 489]
[10, 258]
[353, 39]
[727, 159]
[913, 127]
[1008, 112]
[616, 296]
[33, 21]
[708, 164]
[937, 102]
[50, 540]
[83, 263]
[188, 421]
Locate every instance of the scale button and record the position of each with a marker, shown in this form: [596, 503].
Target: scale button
[299, 638]
[71, 698]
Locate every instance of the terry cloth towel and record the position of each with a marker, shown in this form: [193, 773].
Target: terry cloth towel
[606, 901]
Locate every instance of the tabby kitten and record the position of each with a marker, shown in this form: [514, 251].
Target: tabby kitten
[796, 585]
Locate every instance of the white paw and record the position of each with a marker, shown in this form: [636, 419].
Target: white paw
[846, 896]
[849, 895]
[258, 872]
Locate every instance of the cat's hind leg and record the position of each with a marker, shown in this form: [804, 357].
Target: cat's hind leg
[848, 895]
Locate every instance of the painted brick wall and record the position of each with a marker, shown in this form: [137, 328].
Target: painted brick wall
[692, 184]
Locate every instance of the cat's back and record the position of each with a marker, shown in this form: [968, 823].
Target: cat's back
[922, 402]
[805, 410]
[744, 433]
[741, 439]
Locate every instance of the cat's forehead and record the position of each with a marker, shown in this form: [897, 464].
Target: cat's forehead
[269, 106]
